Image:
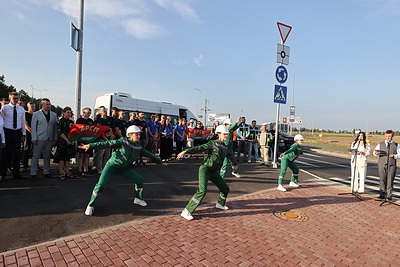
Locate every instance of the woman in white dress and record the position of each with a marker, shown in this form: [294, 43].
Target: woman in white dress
[360, 150]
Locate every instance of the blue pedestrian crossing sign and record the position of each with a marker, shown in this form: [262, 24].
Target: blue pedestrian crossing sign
[280, 94]
[281, 74]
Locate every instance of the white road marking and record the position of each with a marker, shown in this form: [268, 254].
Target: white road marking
[305, 163]
[330, 163]
[312, 155]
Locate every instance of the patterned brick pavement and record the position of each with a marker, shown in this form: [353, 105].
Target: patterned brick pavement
[340, 231]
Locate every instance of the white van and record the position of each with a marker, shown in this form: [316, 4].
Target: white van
[124, 101]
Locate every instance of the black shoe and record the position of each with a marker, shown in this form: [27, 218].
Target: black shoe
[33, 177]
[389, 198]
[48, 175]
[381, 196]
[19, 177]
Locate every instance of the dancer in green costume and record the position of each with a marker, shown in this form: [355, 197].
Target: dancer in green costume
[229, 143]
[210, 170]
[127, 151]
[287, 160]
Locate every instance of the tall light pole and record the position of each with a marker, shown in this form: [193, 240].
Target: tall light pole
[294, 78]
[40, 91]
[78, 79]
[205, 112]
[197, 104]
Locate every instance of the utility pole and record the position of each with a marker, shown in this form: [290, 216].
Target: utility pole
[197, 103]
[205, 112]
[78, 79]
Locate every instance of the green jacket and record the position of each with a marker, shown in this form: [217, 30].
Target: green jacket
[216, 153]
[229, 140]
[293, 152]
[126, 153]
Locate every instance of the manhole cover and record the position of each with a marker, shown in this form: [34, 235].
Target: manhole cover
[291, 215]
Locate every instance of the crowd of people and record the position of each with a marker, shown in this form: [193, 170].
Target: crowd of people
[123, 143]
[30, 133]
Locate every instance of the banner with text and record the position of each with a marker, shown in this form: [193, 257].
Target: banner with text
[86, 133]
[198, 134]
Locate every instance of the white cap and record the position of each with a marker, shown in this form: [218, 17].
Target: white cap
[227, 121]
[221, 129]
[265, 124]
[298, 137]
[133, 129]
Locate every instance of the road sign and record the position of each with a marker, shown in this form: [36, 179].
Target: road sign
[280, 94]
[281, 74]
[282, 54]
[292, 113]
[298, 120]
[284, 31]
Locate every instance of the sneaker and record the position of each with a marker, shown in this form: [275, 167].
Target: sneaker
[293, 184]
[381, 196]
[219, 206]
[281, 188]
[389, 198]
[249, 161]
[186, 214]
[89, 211]
[258, 161]
[139, 202]
[236, 174]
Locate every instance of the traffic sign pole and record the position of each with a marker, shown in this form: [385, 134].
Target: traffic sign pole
[281, 76]
[274, 160]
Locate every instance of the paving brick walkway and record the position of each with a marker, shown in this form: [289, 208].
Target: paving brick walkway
[340, 231]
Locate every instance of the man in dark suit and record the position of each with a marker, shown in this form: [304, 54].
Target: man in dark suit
[44, 136]
[388, 152]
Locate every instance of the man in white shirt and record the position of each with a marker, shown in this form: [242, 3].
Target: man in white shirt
[14, 130]
[387, 151]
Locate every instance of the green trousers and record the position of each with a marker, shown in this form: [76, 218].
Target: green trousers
[204, 176]
[285, 163]
[225, 164]
[109, 171]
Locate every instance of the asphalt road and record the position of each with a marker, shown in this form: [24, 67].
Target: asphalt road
[46, 209]
[337, 169]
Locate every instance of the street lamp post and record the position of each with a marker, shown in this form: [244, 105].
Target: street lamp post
[40, 91]
[294, 78]
[78, 79]
[197, 104]
[205, 112]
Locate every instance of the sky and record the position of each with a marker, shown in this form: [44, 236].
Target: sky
[344, 71]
